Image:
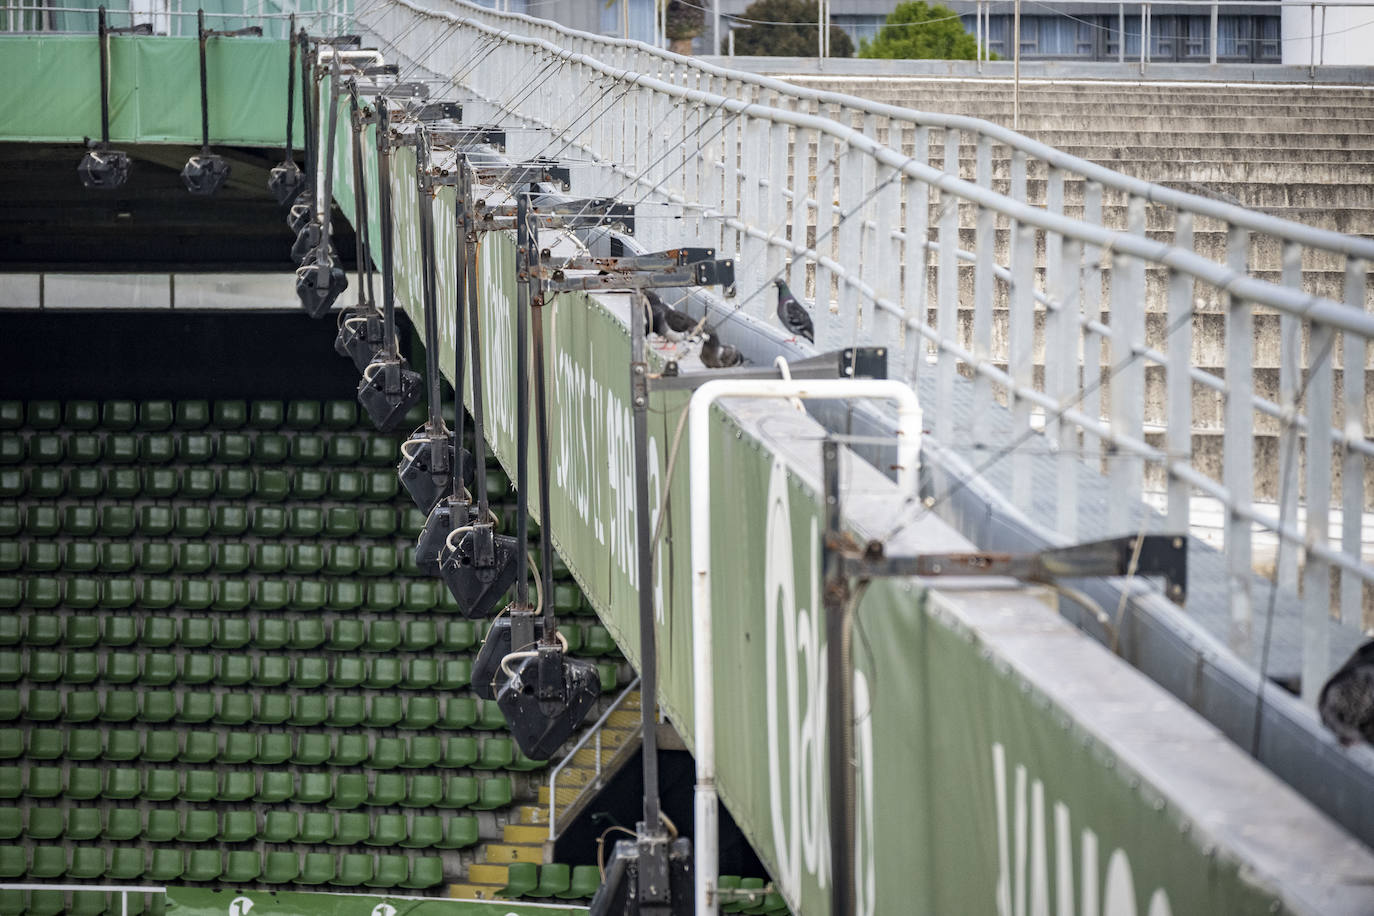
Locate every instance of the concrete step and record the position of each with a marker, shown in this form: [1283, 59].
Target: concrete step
[484, 873]
[470, 891]
[566, 795]
[531, 815]
[1136, 137]
[505, 853]
[526, 833]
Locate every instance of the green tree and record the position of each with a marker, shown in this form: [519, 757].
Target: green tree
[765, 38]
[919, 29]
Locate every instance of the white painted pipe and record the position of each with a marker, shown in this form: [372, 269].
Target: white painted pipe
[703, 673]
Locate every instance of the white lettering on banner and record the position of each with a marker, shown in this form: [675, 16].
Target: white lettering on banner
[240, 906]
[795, 687]
[1023, 874]
[498, 351]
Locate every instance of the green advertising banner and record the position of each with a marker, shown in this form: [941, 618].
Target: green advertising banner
[52, 89]
[200, 901]
[978, 791]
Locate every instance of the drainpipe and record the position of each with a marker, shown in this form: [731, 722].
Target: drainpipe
[703, 672]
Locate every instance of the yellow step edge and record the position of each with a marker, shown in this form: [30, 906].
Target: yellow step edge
[474, 891]
[486, 873]
[509, 852]
[565, 796]
[532, 814]
[525, 834]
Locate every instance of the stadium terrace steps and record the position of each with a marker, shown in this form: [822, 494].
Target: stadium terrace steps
[219, 665]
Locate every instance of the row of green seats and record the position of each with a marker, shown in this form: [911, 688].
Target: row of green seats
[199, 594]
[198, 556]
[165, 414]
[192, 482]
[337, 634]
[413, 711]
[170, 864]
[339, 449]
[339, 789]
[49, 902]
[200, 825]
[192, 520]
[525, 879]
[193, 669]
[190, 669]
[343, 749]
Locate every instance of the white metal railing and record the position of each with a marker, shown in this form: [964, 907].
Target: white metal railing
[902, 214]
[592, 734]
[122, 890]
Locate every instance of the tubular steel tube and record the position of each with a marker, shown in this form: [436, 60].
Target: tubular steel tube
[479, 437]
[364, 254]
[291, 89]
[424, 203]
[322, 206]
[308, 139]
[105, 79]
[524, 239]
[541, 415]
[204, 89]
[461, 202]
[384, 195]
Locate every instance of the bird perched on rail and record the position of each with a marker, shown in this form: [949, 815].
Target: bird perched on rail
[1347, 701]
[793, 314]
[665, 321]
[716, 354]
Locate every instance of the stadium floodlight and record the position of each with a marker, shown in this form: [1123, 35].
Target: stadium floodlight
[205, 173]
[319, 285]
[320, 280]
[487, 676]
[642, 868]
[387, 391]
[285, 180]
[102, 168]
[309, 238]
[545, 697]
[479, 566]
[362, 329]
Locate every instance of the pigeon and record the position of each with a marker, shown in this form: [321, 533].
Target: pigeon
[718, 355]
[793, 314]
[666, 321]
[1347, 701]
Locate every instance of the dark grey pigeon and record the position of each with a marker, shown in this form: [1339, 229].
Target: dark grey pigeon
[793, 314]
[666, 321]
[718, 355]
[1346, 703]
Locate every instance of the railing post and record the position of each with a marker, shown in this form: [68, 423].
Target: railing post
[1290, 374]
[1179, 429]
[947, 291]
[915, 263]
[1316, 576]
[1127, 384]
[1021, 331]
[1353, 463]
[1092, 310]
[984, 291]
[1238, 441]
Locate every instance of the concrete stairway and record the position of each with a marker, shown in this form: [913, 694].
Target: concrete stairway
[525, 838]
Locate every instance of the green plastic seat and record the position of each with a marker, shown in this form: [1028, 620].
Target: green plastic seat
[85, 824]
[274, 748]
[156, 558]
[378, 522]
[201, 746]
[307, 633]
[266, 414]
[387, 830]
[161, 483]
[380, 449]
[80, 521]
[84, 483]
[85, 448]
[46, 448]
[232, 557]
[161, 785]
[459, 713]
[11, 414]
[347, 671]
[230, 414]
[123, 824]
[380, 486]
[122, 448]
[460, 832]
[313, 789]
[421, 673]
[270, 558]
[13, 449]
[198, 482]
[48, 862]
[11, 519]
[117, 593]
[126, 863]
[11, 625]
[344, 450]
[270, 448]
[310, 671]
[159, 669]
[195, 448]
[312, 749]
[345, 635]
[339, 415]
[497, 753]
[43, 705]
[348, 485]
[159, 632]
[305, 559]
[318, 868]
[412, 522]
[273, 485]
[388, 788]
[272, 709]
[349, 750]
[495, 793]
[200, 706]
[45, 414]
[302, 414]
[281, 826]
[554, 879]
[353, 827]
[42, 521]
[355, 869]
[457, 635]
[199, 826]
[155, 521]
[426, 871]
[46, 483]
[521, 878]
[489, 716]
[307, 449]
[311, 595]
[193, 521]
[157, 448]
[156, 414]
[239, 748]
[309, 484]
[425, 831]
[11, 667]
[392, 871]
[191, 414]
[196, 594]
[586, 879]
[281, 867]
[201, 786]
[609, 674]
[382, 595]
[158, 706]
[44, 823]
[383, 673]
[236, 483]
[387, 754]
[242, 866]
[167, 863]
[341, 522]
[385, 711]
[272, 633]
[13, 483]
[344, 595]
[232, 595]
[276, 787]
[162, 746]
[305, 521]
[116, 557]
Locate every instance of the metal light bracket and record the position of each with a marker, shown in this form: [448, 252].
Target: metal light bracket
[851, 362]
[206, 173]
[480, 569]
[104, 169]
[527, 172]
[545, 698]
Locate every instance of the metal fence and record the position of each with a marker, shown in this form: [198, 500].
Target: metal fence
[1081, 299]
[176, 18]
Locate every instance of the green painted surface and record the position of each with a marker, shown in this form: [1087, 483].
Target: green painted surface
[199, 901]
[52, 90]
[974, 797]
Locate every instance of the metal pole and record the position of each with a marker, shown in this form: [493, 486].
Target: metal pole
[820, 29]
[461, 198]
[1121, 33]
[839, 699]
[427, 283]
[715, 28]
[648, 669]
[384, 212]
[1016, 66]
[204, 91]
[104, 80]
[523, 243]
[291, 90]
[479, 435]
[1215, 9]
[541, 419]
[1144, 34]
[978, 34]
[364, 254]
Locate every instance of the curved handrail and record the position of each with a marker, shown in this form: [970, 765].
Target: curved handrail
[581, 743]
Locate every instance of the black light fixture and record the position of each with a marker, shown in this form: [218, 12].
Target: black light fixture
[479, 566]
[635, 875]
[285, 180]
[102, 168]
[389, 388]
[545, 697]
[205, 173]
[361, 330]
[320, 280]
